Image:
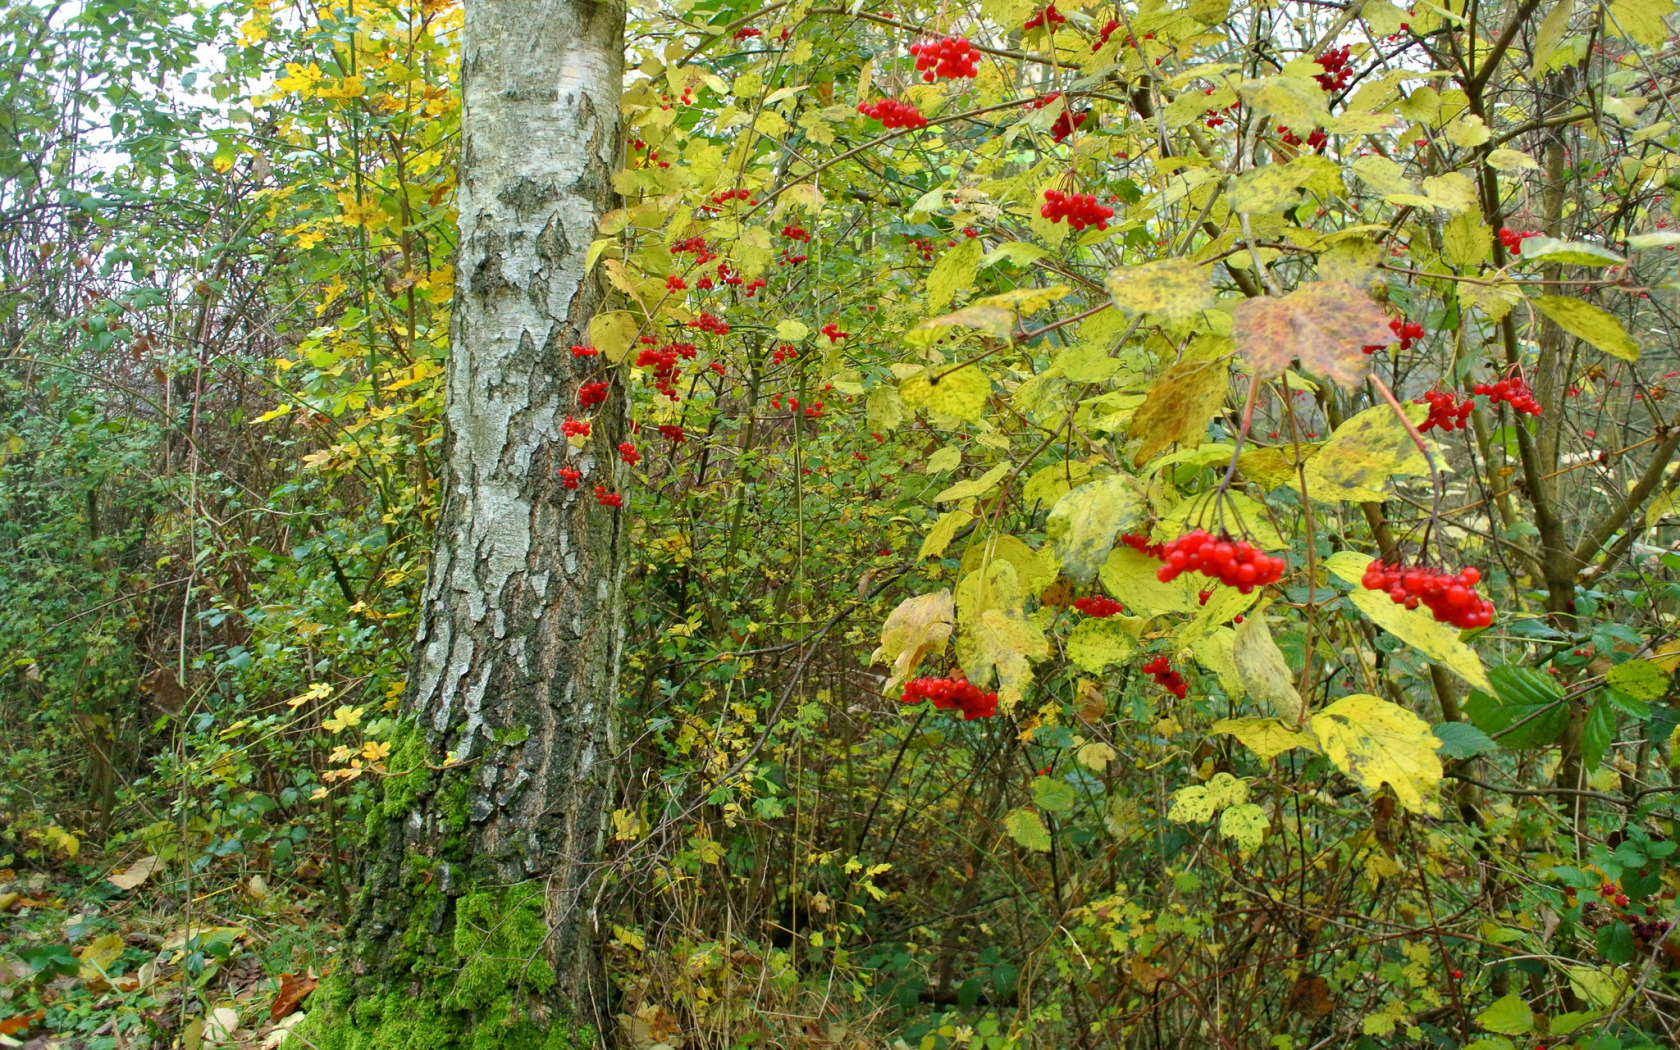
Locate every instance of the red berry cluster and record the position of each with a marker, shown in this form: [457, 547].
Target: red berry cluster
[570, 476]
[1166, 677]
[592, 394]
[708, 323]
[608, 499]
[785, 352]
[1043, 100]
[796, 233]
[697, 245]
[627, 452]
[1513, 390]
[1315, 141]
[746, 32]
[952, 694]
[1140, 543]
[1407, 332]
[832, 330]
[1646, 927]
[1079, 209]
[1049, 16]
[951, 56]
[893, 114]
[1513, 240]
[1098, 606]
[666, 370]
[733, 195]
[575, 427]
[1107, 31]
[1240, 564]
[1337, 69]
[1446, 411]
[1065, 124]
[672, 432]
[1449, 598]
[584, 351]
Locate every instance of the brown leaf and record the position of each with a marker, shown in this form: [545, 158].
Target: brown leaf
[293, 988]
[1310, 996]
[1178, 407]
[1325, 325]
[12, 1026]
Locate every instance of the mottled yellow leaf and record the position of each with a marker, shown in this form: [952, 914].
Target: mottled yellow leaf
[1376, 742]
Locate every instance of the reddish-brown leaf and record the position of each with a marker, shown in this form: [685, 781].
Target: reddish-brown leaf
[1326, 325]
[293, 988]
[13, 1026]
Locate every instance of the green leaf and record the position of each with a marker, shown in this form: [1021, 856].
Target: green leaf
[1420, 630]
[1587, 322]
[1377, 742]
[973, 488]
[1551, 33]
[960, 394]
[1363, 454]
[953, 272]
[1462, 740]
[1523, 711]
[1264, 673]
[1640, 679]
[1615, 943]
[1173, 289]
[1094, 645]
[1597, 730]
[1568, 253]
[1510, 1015]
[1053, 794]
[1025, 827]
[1081, 526]
[1246, 823]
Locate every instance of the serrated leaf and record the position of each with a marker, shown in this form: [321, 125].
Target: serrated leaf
[1272, 467]
[884, 409]
[939, 537]
[1466, 240]
[918, 628]
[1266, 737]
[1273, 188]
[1326, 324]
[1129, 577]
[997, 586]
[1095, 756]
[1382, 175]
[613, 333]
[1640, 679]
[1590, 324]
[1297, 102]
[1462, 740]
[1173, 289]
[1376, 742]
[973, 488]
[960, 394]
[1096, 644]
[1053, 794]
[1422, 632]
[1568, 253]
[1002, 644]
[953, 272]
[1081, 526]
[1363, 454]
[1641, 21]
[1511, 160]
[1049, 484]
[1510, 1015]
[1265, 674]
[1178, 407]
[1246, 824]
[1027, 829]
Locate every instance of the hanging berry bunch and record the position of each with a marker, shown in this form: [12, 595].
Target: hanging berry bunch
[1513, 390]
[952, 694]
[1065, 125]
[1166, 677]
[1141, 544]
[1446, 412]
[1317, 140]
[1512, 240]
[1337, 69]
[1406, 332]
[1450, 598]
[1240, 564]
[1107, 31]
[893, 114]
[1079, 209]
[1098, 606]
[952, 57]
[1047, 17]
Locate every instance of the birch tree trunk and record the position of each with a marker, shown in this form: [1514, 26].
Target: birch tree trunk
[475, 919]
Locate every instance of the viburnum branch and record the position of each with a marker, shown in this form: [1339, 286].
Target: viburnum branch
[1423, 446]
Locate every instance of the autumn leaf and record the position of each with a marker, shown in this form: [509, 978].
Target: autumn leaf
[1363, 454]
[960, 393]
[1377, 742]
[1178, 407]
[1422, 632]
[918, 628]
[1082, 524]
[1173, 289]
[1264, 673]
[294, 988]
[1002, 643]
[1325, 324]
[1588, 323]
[1266, 737]
[1096, 644]
[136, 873]
[1026, 828]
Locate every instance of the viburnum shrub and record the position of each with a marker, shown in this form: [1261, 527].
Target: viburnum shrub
[1445, 411]
[1512, 390]
[1098, 606]
[1237, 564]
[1049, 16]
[1450, 598]
[1167, 678]
[952, 694]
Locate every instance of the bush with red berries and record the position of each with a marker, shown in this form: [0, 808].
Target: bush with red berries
[1098, 606]
[1450, 597]
[1236, 564]
[952, 694]
[1446, 412]
[1166, 677]
[952, 57]
[1079, 209]
[1512, 390]
[893, 113]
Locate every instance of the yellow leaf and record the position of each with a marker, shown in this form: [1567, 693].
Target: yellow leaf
[614, 334]
[1095, 756]
[1271, 467]
[939, 537]
[1264, 673]
[343, 718]
[1081, 526]
[1129, 576]
[1194, 804]
[137, 873]
[960, 394]
[953, 272]
[972, 488]
[1587, 322]
[1420, 630]
[1095, 644]
[1174, 289]
[98, 954]
[995, 587]
[1266, 737]
[1178, 407]
[918, 628]
[1376, 743]
[1034, 574]
[1004, 643]
[1363, 454]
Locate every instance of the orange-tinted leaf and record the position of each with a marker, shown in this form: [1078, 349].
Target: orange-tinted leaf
[293, 988]
[1325, 325]
[13, 1026]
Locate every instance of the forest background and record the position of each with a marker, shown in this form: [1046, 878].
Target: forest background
[911, 409]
